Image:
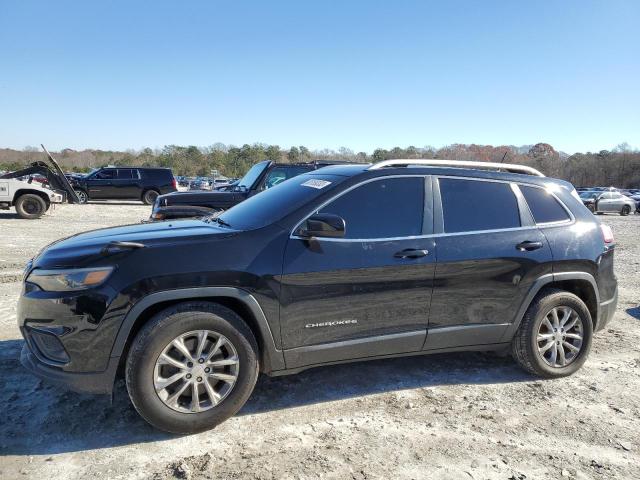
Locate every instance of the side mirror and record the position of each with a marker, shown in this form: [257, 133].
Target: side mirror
[323, 225]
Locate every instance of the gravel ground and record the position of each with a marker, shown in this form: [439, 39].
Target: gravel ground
[470, 415]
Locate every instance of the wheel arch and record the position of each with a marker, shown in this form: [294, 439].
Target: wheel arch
[147, 189]
[581, 284]
[236, 299]
[25, 191]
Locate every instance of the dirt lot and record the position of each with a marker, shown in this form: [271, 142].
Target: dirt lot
[452, 416]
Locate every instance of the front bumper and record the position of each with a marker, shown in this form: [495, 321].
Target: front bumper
[85, 382]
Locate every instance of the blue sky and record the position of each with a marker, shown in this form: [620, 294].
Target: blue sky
[357, 74]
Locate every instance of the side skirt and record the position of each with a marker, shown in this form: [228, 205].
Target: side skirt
[474, 348]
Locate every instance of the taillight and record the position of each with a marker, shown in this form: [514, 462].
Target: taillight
[174, 183]
[607, 233]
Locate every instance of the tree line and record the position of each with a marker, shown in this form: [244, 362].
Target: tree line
[619, 167]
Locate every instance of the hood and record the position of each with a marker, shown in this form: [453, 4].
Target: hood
[85, 248]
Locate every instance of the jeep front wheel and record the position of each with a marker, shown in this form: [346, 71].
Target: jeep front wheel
[191, 367]
[30, 206]
[554, 337]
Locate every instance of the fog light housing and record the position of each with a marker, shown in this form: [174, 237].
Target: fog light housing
[47, 345]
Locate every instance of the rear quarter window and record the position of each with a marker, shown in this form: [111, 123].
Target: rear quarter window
[544, 207]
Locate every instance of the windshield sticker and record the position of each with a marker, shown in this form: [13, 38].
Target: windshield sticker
[316, 184]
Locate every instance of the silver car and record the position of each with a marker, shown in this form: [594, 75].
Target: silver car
[613, 202]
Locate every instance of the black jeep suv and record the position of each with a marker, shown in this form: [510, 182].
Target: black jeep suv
[340, 264]
[260, 177]
[139, 183]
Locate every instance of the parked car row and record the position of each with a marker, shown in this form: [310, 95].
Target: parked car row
[610, 200]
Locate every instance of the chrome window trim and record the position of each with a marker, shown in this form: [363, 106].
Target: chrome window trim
[417, 237]
[513, 186]
[292, 235]
[571, 219]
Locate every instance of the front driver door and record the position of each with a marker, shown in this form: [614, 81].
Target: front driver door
[100, 185]
[367, 294]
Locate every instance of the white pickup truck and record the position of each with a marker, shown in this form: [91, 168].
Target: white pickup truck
[31, 200]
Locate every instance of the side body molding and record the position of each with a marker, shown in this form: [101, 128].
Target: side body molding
[271, 357]
[537, 286]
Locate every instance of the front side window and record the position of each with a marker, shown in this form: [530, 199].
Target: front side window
[385, 208]
[544, 207]
[475, 205]
[105, 174]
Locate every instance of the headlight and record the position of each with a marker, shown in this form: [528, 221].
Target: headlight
[69, 280]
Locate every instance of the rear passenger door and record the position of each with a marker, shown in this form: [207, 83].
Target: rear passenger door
[125, 183]
[488, 254]
[366, 294]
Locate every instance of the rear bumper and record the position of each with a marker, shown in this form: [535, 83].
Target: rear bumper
[607, 310]
[91, 382]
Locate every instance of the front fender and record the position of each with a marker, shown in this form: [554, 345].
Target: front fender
[271, 358]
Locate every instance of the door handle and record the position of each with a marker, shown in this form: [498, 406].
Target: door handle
[528, 246]
[411, 253]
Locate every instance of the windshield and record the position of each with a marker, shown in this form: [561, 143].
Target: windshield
[278, 202]
[252, 175]
[587, 194]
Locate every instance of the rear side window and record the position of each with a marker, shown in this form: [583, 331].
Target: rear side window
[155, 174]
[544, 207]
[386, 208]
[125, 173]
[475, 205]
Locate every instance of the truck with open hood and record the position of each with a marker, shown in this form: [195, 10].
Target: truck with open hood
[32, 200]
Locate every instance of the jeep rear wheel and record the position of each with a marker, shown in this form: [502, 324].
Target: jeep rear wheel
[30, 206]
[191, 367]
[554, 337]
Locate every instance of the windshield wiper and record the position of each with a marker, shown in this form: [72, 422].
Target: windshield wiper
[218, 220]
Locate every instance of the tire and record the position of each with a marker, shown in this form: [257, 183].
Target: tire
[31, 206]
[526, 349]
[82, 195]
[591, 208]
[156, 337]
[149, 197]
[626, 210]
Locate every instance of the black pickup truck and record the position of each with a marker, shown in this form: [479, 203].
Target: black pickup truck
[260, 177]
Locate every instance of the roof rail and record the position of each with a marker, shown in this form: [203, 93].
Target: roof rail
[509, 167]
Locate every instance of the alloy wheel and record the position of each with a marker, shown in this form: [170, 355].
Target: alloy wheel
[196, 371]
[560, 337]
[81, 196]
